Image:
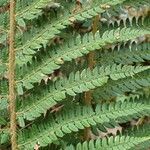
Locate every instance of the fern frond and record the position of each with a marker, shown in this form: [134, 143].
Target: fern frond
[2, 70]
[138, 3]
[125, 142]
[127, 16]
[3, 21]
[49, 31]
[137, 54]
[3, 101]
[37, 8]
[79, 118]
[115, 88]
[3, 3]
[76, 83]
[4, 137]
[74, 51]
[3, 87]
[3, 31]
[51, 40]
[3, 110]
[33, 10]
[3, 66]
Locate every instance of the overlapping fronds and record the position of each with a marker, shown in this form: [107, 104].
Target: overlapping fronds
[81, 65]
[2, 70]
[32, 9]
[126, 55]
[76, 83]
[3, 64]
[127, 16]
[3, 3]
[4, 137]
[79, 118]
[3, 110]
[125, 142]
[49, 31]
[115, 88]
[3, 30]
[25, 55]
[57, 57]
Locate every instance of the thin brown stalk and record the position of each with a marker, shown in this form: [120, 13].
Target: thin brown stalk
[91, 64]
[11, 78]
[88, 95]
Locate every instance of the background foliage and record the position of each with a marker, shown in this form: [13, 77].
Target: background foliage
[82, 74]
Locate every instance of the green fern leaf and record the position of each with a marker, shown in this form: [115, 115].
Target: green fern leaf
[119, 112]
[98, 77]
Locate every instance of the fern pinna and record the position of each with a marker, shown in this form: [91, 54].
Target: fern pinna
[82, 74]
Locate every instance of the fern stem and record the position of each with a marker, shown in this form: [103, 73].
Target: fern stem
[88, 95]
[11, 77]
[91, 63]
